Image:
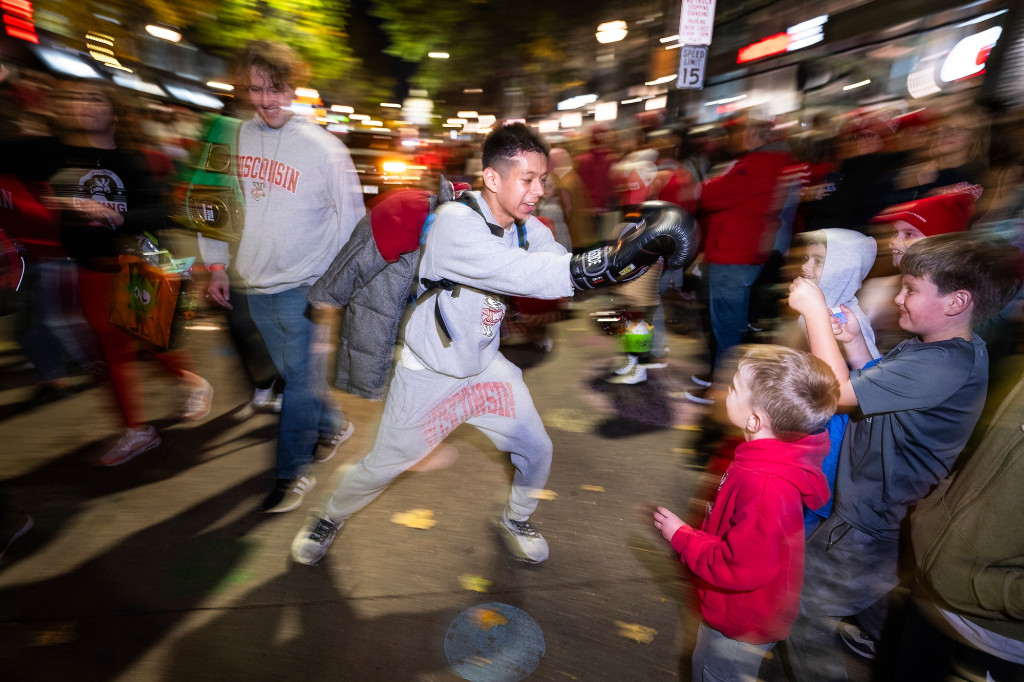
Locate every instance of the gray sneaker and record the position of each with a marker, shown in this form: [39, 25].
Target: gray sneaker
[523, 540]
[313, 541]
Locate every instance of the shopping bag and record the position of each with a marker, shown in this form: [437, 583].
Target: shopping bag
[144, 300]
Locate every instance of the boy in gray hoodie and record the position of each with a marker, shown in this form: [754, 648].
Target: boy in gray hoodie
[479, 251]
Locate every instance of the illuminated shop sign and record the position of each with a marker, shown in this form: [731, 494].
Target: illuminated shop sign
[804, 34]
[968, 57]
[18, 20]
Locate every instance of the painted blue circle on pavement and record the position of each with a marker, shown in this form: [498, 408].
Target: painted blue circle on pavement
[493, 643]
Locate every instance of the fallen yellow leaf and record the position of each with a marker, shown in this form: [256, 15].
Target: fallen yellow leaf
[415, 518]
[475, 583]
[488, 618]
[543, 494]
[593, 488]
[635, 632]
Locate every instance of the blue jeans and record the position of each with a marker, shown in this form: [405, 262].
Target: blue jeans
[730, 302]
[55, 322]
[846, 572]
[717, 658]
[298, 347]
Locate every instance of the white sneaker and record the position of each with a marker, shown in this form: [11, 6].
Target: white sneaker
[631, 363]
[700, 381]
[199, 401]
[262, 397]
[132, 444]
[857, 641]
[637, 375]
[315, 538]
[523, 540]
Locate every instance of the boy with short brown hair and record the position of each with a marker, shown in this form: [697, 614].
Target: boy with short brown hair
[917, 408]
[748, 556]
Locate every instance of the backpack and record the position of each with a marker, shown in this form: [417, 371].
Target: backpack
[373, 277]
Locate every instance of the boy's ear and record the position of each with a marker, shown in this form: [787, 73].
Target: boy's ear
[960, 301]
[754, 423]
[490, 179]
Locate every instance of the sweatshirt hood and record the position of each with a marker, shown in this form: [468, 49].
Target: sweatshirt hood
[849, 257]
[798, 462]
[289, 126]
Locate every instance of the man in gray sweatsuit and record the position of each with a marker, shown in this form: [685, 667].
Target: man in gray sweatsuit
[302, 202]
[450, 370]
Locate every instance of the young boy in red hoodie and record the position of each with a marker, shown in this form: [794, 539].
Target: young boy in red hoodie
[748, 556]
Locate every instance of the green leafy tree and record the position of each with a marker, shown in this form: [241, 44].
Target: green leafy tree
[315, 28]
[491, 45]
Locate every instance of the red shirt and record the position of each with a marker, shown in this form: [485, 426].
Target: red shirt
[748, 556]
[741, 208]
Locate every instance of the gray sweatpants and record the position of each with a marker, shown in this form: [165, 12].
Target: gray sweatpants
[423, 407]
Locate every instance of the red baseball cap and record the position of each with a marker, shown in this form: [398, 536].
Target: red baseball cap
[940, 214]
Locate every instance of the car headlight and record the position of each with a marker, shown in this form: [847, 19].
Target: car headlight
[396, 167]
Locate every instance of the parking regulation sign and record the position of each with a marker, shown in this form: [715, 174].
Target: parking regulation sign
[692, 60]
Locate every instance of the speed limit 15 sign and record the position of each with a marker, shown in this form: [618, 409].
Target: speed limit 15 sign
[692, 60]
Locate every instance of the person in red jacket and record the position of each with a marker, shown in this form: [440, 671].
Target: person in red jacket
[748, 557]
[740, 214]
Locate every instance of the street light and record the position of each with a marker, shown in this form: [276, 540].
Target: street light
[163, 33]
[611, 32]
[438, 55]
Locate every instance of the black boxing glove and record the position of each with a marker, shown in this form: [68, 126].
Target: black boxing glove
[659, 230]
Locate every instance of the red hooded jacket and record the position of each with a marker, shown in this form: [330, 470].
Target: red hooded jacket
[741, 208]
[748, 557]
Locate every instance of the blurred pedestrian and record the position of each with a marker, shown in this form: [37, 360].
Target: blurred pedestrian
[594, 168]
[857, 191]
[103, 186]
[303, 200]
[740, 210]
[574, 199]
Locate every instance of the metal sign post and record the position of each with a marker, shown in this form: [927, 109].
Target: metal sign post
[696, 24]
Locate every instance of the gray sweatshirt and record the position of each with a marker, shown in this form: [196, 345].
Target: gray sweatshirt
[302, 201]
[461, 248]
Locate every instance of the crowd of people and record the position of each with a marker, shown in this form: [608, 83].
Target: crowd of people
[858, 280]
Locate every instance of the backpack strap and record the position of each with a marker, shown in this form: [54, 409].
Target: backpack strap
[435, 286]
[469, 200]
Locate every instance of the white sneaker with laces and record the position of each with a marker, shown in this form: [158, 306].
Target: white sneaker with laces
[637, 375]
[523, 540]
[199, 401]
[132, 444]
[315, 538]
[631, 363]
[857, 640]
